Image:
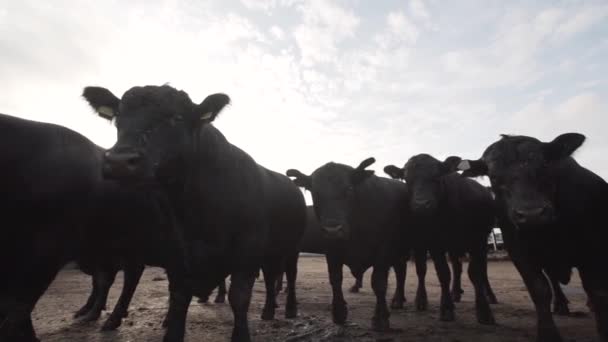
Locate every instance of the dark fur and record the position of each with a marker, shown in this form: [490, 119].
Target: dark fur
[359, 214]
[545, 198]
[233, 216]
[451, 214]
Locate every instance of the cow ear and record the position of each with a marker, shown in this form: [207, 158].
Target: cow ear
[360, 174]
[211, 106]
[300, 179]
[102, 100]
[472, 168]
[563, 146]
[393, 171]
[450, 164]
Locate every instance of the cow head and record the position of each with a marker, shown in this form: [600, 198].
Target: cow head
[333, 187]
[154, 124]
[521, 174]
[423, 174]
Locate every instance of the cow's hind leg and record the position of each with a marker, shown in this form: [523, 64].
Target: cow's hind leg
[291, 269]
[457, 279]
[89, 304]
[560, 302]
[132, 274]
[476, 274]
[103, 280]
[221, 293]
[271, 270]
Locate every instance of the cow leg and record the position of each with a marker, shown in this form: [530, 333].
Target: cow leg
[476, 274]
[422, 301]
[132, 274]
[442, 269]
[16, 310]
[221, 293]
[339, 310]
[271, 270]
[456, 291]
[539, 290]
[380, 321]
[240, 296]
[179, 300]
[358, 282]
[103, 280]
[279, 286]
[560, 302]
[596, 287]
[400, 268]
[89, 304]
[486, 281]
[457, 280]
[291, 305]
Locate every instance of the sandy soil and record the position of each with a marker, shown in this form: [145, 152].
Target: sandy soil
[213, 322]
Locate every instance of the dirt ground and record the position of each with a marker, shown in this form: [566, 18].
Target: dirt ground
[213, 322]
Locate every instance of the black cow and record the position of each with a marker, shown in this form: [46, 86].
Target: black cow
[315, 241]
[47, 175]
[452, 214]
[455, 259]
[359, 215]
[551, 212]
[232, 216]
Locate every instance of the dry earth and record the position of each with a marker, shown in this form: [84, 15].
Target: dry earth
[213, 322]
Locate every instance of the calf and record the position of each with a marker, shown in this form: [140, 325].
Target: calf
[232, 216]
[452, 214]
[455, 258]
[315, 241]
[360, 217]
[549, 208]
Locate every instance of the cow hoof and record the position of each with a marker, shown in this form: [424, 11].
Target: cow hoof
[398, 303]
[83, 311]
[339, 313]
[354, 289]
[111, 324]
[90, 317]
[291, 312]
[203, 300]
[220, 299]
[456, 296]
[485, 318]
[380, 324]
[447, 315]
[268, 314]
[421, 304]
[549, 335]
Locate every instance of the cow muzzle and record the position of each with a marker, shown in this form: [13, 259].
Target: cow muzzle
[538, 215]
[122, 165]
[334, 230]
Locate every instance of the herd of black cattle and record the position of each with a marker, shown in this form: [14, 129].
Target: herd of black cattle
[174, 193]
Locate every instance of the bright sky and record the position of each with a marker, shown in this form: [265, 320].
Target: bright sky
[314, 81]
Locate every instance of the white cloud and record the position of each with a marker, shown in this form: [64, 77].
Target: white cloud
[419, 10]
[277, 32]
[324, 25]
[325, 80]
